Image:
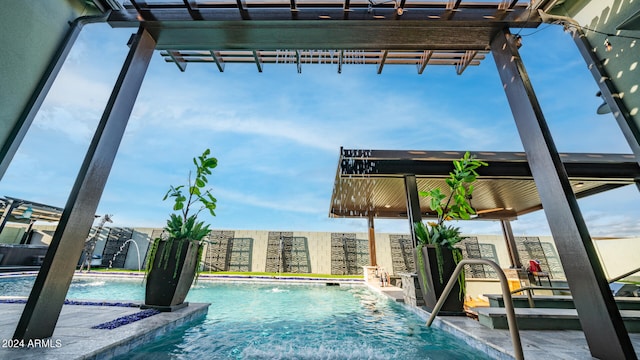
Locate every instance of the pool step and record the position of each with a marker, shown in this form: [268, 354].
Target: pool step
[546, 318]
[557, 301]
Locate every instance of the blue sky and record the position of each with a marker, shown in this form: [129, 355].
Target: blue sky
[277, 134]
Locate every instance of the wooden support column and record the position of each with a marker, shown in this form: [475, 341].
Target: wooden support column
[512, 248]
[372, 242]
[600, 318]
[43, 307]
[413, 205]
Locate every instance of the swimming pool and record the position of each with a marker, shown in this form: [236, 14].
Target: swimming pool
[280, 321]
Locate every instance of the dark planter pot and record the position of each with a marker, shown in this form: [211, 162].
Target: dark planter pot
[164, 290]
[454, 305]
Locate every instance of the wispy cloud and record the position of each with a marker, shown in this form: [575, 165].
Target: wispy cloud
[292, 203]
[79, 91]
[613, 225]
[277, 134]
[67, 122]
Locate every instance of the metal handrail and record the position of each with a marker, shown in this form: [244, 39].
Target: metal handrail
[506, 294]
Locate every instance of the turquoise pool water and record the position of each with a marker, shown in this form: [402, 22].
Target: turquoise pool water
[276, 321]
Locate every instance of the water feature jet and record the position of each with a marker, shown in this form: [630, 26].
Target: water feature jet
[122, 249]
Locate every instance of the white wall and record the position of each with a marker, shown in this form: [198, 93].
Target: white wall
[39, 237]
[619, 256]
[319, 250]
[259, 252]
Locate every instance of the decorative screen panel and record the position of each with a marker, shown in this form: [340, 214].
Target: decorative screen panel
[530, 248]
[488, 251]
[274, 251]
[402, 254]
[339, 256]
[116, 248]
[553, 261]
[286, 253]
[348, 254]
[218, 252]
[472, 249]
[240, 256]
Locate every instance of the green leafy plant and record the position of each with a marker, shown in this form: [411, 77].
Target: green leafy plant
[453, 205]
[184, 226]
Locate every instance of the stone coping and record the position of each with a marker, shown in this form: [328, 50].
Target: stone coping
[211, 277]
[240, 278]
[76, 338]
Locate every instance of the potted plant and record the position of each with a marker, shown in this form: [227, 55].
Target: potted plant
[437, 257]
[174, 258]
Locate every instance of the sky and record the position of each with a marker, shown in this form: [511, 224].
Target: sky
[277, 134]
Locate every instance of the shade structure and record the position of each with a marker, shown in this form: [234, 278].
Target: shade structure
[338, 32]
[24, 210]
[370, 182]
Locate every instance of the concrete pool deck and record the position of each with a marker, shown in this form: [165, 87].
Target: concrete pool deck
[74, 337]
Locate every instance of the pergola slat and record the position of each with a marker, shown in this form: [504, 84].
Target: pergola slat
[424, 61]
[177, 59]
[383, 58]
[465, 61]
[215, 55]
[256, 57]
[380, 58]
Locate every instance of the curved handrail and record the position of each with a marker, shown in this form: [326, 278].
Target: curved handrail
[506, 294]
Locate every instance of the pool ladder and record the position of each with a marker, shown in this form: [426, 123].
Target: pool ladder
[506, 294]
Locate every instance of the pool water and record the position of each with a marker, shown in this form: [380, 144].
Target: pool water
[279, 321]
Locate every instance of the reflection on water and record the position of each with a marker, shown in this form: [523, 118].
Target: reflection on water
[263, 321]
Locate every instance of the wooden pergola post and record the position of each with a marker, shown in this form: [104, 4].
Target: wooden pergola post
[372, 242]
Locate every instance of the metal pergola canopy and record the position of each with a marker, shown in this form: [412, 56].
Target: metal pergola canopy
[40, 212]
[339, 32]
[370, 182]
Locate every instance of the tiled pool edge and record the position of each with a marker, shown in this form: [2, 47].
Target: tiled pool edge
[212, 276]
[443, 324]
[234, 278]
[156, 326]
[470, 339]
